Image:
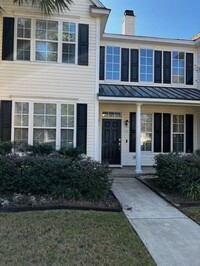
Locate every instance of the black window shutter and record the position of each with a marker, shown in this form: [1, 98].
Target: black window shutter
[102, 63]
[83, 44]
[8, 39]
[124, 64]
[167, 67]
[81, 136]
[166, 132]
[189, 68]
[132, 141]
[5, 123]
[158, 67]
[157, 132]
[134, 65]
[189, 133]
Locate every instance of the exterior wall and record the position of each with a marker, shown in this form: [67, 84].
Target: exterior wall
[154, 46]
[128, 158]
[198, 68]
[54, 81]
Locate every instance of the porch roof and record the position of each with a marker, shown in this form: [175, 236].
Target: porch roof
[148, 92]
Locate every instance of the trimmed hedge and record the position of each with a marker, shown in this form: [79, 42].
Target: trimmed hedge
[179, 172]
[55, 176]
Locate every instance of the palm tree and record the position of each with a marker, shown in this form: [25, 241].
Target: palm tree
[46, 6]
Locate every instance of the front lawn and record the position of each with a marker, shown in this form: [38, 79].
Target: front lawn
[69, 238]
[193, 213]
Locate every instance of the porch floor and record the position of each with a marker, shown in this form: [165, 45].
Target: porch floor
[129, 171]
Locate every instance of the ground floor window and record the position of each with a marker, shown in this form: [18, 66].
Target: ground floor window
[146, 132]
[51, 123]
[178, 133]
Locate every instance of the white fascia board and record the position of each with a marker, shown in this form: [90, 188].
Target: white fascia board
[122, 37]
[97, 3]
[145, 100]
[197, 42]
[99, 11]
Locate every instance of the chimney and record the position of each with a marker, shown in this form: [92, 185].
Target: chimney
[128, 23]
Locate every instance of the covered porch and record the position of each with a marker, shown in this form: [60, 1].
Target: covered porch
[151, 120]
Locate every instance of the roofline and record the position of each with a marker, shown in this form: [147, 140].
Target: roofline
[146, 100]
[122, 37]
[97, 3]
[100, 11]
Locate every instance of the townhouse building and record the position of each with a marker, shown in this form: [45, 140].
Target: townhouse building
[122, 98]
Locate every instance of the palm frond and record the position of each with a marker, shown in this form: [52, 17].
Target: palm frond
[48, 6]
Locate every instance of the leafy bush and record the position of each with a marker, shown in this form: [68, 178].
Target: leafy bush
[73, 153]
[56, 176]
[5, 147]
[41, 149]
[179, 172]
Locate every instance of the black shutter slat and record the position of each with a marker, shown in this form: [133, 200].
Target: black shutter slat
[134, 65]
[189, 133]
[5, 123]
[157, 132]
[124, 64]
[158, 67]
[102, 63]
[132, 142]
[189, 68]
[81, 136]
[83, 44]
[166, 132]
[8, 39]
[167, 67]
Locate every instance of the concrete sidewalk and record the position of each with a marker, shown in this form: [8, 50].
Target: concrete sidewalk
[171, 237]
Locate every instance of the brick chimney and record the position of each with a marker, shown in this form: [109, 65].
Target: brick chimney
[128, 23]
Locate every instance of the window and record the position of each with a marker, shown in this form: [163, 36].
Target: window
[45, 40]
[146, 65]
[178, 133]
[23, 39]
[69, 42]
[112, 63]
[51, 123]
[178, 68]
[146, 132]
[46, 44]
[21, 117]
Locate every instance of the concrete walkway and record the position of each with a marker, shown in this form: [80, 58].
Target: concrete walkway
[171, 238]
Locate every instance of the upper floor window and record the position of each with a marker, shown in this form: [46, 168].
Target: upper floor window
[112, 63]
[45, 40]
[69, 42]
[46, 35]
[146, 65]
[178, 68]
[23, 38]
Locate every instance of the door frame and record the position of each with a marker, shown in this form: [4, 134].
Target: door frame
[101, 134]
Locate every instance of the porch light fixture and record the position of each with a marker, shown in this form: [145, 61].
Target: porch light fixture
[126, 123]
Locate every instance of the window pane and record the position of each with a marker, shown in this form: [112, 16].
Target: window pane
[38, 108]
[50, 109]
[146, 132]
[113, 63]
[38, 121]
[146, 65]
[21, 135]
[67, 138]
[50, 121]
[68, 53]
[178, 69]
[44, 136]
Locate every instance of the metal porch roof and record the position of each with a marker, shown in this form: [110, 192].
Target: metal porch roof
[149, 92]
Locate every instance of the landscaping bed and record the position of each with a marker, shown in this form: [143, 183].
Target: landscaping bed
[176, 198]
[27, 202]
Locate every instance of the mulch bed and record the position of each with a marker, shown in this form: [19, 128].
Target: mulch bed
[175, 198]
[48, 203]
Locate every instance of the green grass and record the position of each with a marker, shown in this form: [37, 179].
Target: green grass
[69, 238]
[193, 213]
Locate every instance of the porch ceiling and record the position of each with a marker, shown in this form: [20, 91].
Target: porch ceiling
[148, 92]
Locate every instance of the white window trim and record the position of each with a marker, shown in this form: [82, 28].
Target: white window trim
[58, 121]
[105, 59]
[33, 40]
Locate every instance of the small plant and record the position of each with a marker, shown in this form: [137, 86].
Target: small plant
[73, 153]
[191, 190]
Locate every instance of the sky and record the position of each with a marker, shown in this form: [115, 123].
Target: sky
[178, 19]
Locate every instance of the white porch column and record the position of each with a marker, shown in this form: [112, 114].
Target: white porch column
[138, 139]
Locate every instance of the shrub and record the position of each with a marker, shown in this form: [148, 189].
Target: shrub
[56, 176]
[5, 147]
[41, 149]
[179, 172]
[74, 153]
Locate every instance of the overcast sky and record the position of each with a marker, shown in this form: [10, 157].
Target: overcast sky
[178, 19]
